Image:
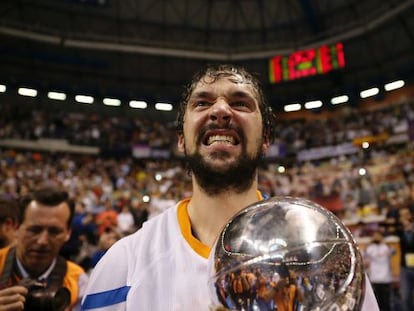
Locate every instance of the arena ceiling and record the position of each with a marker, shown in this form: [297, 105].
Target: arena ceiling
[149, 49]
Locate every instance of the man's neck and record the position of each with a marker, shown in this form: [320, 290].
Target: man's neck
[27, 274]
[209, 214]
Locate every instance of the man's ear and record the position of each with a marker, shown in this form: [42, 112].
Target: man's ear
[68, 234]
[180, 143]
[10, 223]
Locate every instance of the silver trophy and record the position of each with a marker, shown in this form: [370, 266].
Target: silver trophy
[286, 253]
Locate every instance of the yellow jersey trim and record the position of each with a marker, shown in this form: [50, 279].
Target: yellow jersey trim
[185, 227]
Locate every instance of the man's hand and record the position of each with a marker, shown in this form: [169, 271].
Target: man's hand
[12, 298]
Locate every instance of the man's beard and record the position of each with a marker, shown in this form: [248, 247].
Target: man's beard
[237, 177]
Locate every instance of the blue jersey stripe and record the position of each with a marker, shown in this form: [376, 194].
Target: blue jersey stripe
[104, 299]
[264, 195]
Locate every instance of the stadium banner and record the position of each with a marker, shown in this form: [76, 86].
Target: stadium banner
[147, 152]
[277, 150]
[327, 152]
[141, 151]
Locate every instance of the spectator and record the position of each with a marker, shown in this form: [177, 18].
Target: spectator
[45, 216]
[406, 234]
[107, 219]
[8, 221]
[126, 223]
[377, 257]
[140, 212]
[87, 250]
[106, 240]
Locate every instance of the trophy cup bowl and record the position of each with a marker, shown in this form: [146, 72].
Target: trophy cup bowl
[289, 251]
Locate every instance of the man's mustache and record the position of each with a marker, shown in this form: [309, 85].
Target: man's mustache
[212, 126]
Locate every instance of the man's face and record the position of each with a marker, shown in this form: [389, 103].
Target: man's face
[222, 126]
[405, 215]
[41, 235]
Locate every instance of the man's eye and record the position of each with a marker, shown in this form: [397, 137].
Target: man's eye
[35, 230]
[39, 230]
[202, 103]
[240, 104]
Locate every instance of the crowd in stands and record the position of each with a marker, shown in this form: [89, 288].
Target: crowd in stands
[80, 128]
[125, 131]
[114, 196]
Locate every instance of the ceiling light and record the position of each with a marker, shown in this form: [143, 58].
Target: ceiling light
[339, 99]
[111, 102]
[369, 92]
[140, 104]
[313, 104]
[56, 95]
[84, 99]
[2, 88]
[163, 106]
[292, 107]
[27, 92]
[394, 85]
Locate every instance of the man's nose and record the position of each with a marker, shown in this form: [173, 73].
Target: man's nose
[220, 111]
[43, 237]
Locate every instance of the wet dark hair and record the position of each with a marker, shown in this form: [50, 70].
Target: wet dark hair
[48, 196]
[215, 72]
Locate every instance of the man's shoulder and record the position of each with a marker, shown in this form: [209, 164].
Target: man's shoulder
[169, 216]
[4, 250]
[157, 234]
[3, 256]
[73, 268]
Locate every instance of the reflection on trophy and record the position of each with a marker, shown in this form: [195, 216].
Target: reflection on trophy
[286, 253]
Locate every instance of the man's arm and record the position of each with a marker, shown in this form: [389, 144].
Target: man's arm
[370, 302]
[107, 287]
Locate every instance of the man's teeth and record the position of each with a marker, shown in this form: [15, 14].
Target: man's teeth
[220, 139]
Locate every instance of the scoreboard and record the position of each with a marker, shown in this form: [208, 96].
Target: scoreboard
[306, 63]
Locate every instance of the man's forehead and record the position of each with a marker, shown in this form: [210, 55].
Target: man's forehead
[231, 82]
[35, 206]
[233, 77]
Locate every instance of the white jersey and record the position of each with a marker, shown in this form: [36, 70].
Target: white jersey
[379, 262]
[160, 267]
